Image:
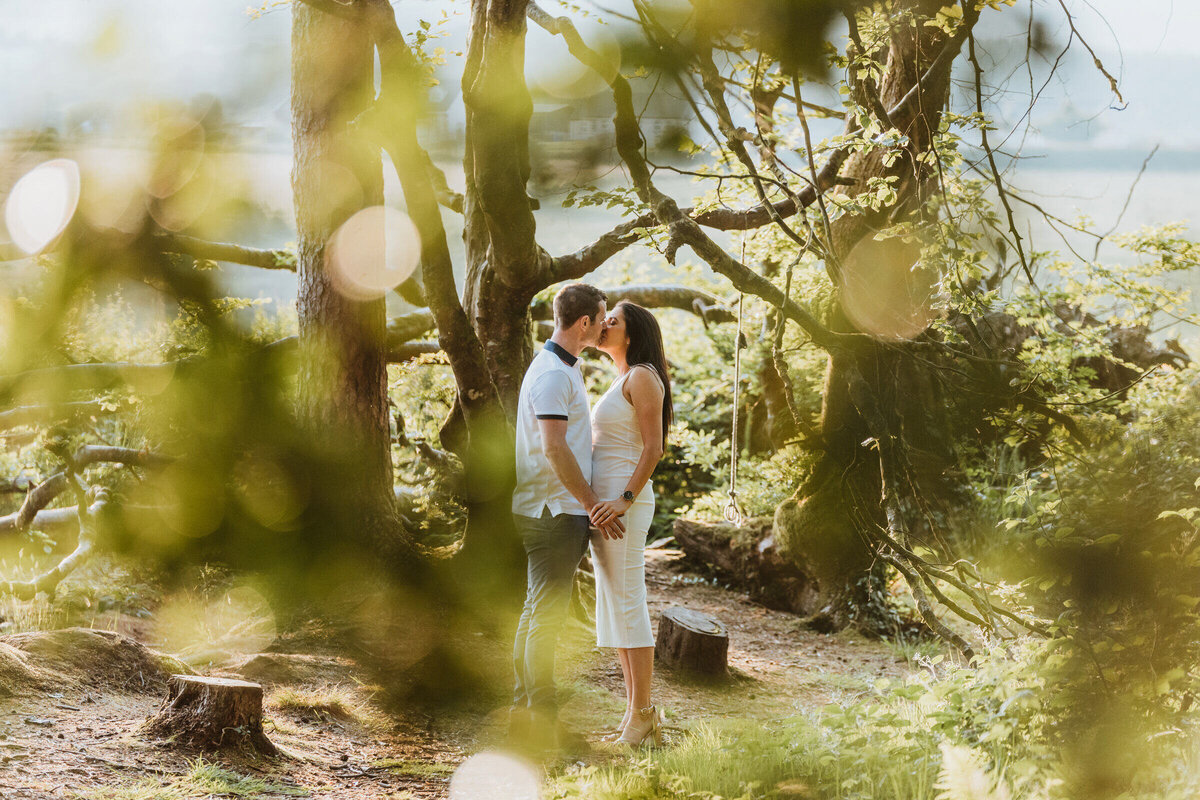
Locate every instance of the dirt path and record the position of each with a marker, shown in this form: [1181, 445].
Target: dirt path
[83, 742]
[779, 667]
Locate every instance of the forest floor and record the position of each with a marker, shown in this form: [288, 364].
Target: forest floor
[74, 733]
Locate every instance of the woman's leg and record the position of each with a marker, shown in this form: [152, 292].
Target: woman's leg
[643, 726]
[641, 670]
[623, 655]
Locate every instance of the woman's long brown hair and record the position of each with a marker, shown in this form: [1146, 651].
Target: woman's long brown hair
[646, 347]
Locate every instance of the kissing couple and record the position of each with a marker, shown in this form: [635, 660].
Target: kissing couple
[583, 478]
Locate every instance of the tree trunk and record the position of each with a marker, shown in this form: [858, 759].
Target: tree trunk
[503, 261]
[827, 525]
[343, 373]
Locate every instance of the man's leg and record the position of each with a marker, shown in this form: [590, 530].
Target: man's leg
[527, 528]
[554, 554]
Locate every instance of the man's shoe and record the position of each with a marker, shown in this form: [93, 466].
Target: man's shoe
[520, 723]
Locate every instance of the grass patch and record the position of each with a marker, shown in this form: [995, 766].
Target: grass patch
[415, 769]
[326, 703]
[751, 760]
[203, 779]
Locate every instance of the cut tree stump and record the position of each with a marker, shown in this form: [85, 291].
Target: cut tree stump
[211, 713]
[692, 641]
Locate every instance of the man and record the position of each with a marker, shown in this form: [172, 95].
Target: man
[553, 497]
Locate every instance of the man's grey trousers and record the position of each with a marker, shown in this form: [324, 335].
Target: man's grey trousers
[554, 546]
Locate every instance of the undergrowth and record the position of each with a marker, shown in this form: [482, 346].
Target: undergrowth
[947, 732]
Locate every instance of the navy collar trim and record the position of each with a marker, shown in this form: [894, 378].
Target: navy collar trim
[561, 352]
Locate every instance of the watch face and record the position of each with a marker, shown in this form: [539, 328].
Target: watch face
[628, 495]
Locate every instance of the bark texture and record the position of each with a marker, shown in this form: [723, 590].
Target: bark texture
[748, 558]
[211, 713]
[337, 172]
[829, 523]
[692, 641]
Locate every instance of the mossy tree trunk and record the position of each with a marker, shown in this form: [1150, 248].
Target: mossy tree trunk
[830, 523]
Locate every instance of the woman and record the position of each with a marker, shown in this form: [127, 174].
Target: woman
[629, 425]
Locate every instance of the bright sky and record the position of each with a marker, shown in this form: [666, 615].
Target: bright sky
[60, 54]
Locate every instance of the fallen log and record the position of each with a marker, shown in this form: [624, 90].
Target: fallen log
[747, 558]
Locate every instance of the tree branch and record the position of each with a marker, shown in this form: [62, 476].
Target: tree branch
[231, 253]
[48, 581]
[398, 100]
[40, 496]
[696, 301]
[681, 228]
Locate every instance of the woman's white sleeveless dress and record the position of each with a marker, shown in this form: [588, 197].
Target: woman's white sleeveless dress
[622, 617]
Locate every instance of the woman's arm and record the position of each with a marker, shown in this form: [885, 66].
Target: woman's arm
[645, 393]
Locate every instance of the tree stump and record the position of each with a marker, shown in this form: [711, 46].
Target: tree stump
[211, 713]
[692, 641]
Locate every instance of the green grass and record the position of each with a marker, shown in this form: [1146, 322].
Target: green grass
[202, 779]
[749, 760]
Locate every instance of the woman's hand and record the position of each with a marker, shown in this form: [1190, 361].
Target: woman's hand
[607, 512]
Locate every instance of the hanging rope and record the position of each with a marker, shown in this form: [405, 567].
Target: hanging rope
[733, 511]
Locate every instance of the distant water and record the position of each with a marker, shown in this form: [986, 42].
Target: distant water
[1095, 184]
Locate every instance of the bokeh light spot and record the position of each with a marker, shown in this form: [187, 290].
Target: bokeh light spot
[494, 776]
[113, 196]
[375, 250]
[202, 629]
[42, 203]
[885, 291]
[551, 68]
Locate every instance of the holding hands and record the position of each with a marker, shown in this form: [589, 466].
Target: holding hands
[606, 516]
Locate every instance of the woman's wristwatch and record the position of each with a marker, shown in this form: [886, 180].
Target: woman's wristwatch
[627, 496]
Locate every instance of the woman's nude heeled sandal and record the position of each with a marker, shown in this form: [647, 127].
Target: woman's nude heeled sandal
[612, 734]
[651, 735]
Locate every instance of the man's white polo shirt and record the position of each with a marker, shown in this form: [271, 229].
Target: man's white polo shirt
[552, 389]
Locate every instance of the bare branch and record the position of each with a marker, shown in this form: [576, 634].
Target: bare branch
[41, 496]
[681, 228]
[410, 350]
[1112, 82]
[685, 298]
[991, 157]
[584, 260]
[409, 326]
[232, 253]
[48, 581]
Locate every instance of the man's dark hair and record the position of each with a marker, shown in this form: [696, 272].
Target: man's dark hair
[576, 300]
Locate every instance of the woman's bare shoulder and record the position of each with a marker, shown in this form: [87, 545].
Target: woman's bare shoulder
[644, 380]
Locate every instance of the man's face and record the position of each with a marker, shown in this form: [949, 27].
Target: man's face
[594, 327]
